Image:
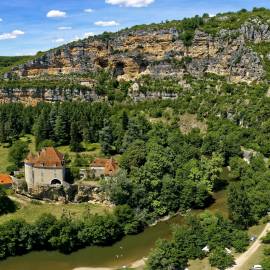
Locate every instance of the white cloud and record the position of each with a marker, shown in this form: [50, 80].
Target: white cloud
[131, 3]
[56, 14]
[88, 10]
[26, 53]
[106, 23]
[12, 35]
[64, 28]
[76, 38]
[17, 32]
[1, 19]
[59, 40]
[89, 34]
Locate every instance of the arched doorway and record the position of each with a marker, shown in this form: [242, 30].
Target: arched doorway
[56, 182]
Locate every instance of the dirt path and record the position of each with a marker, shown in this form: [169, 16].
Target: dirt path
[19, 200]
[242, 259]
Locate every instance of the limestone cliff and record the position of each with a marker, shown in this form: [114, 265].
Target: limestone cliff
[132, 53]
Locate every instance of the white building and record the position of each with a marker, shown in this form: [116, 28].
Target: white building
[104, 167]
[45, 168]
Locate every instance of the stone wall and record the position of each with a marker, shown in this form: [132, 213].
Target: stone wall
[76, 193]
[40, 176]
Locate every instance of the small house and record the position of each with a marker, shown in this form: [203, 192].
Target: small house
[104, 167]
[6, 181]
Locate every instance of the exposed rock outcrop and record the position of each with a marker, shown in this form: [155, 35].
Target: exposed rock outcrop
[129, 54]
[33, 96]
[75, 193]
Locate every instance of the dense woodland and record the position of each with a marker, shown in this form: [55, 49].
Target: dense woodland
[163, 170]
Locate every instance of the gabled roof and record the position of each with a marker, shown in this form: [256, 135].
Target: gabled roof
[110, 165]
[5, 179]
[99, 162]
[47, 157]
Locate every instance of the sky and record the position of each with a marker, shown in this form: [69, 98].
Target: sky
[28, 26]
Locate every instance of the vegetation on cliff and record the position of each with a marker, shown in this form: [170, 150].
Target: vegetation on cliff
[8, 62]
[130, 53]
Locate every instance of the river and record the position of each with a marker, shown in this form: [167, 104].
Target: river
[128, 250]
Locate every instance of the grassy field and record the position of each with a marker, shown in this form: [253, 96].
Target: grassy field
[90, 151]
[4, 163]
[31, 140]
[31, 211]
[200, 265]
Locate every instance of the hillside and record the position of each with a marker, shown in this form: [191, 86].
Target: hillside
[9, 62]
[234, 45]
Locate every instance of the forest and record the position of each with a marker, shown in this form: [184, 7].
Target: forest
[164, 169]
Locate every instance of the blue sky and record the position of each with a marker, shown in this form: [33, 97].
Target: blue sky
[27, 26]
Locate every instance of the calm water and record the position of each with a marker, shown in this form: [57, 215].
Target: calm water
[130, 249]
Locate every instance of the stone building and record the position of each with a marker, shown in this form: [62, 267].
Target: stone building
[45, 168]
[104, 167]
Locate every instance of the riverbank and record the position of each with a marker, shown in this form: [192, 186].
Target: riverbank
[135, 265]
[127, 252]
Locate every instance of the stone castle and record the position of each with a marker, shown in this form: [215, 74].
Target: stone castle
[45, 168]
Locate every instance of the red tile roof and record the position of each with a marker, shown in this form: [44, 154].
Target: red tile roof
[5, 179]
[110, 165]
[47, 157]
[99, 162]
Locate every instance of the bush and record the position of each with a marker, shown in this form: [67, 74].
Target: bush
[18, 152]
[221, 259]
[266, 239]
[6, 204]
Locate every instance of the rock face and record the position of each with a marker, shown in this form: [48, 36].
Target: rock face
[72, 193]
[33, 96]
[129, 54]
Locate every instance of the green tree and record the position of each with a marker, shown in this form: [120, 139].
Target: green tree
[221, 259]
[240, 206]
[166, 255]
[134, 156]
[126, 217]
[106, 138]
[6, 204]
[119, 188]
[75, 138]
[44, 230]
[61, 128]
[18, 152]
